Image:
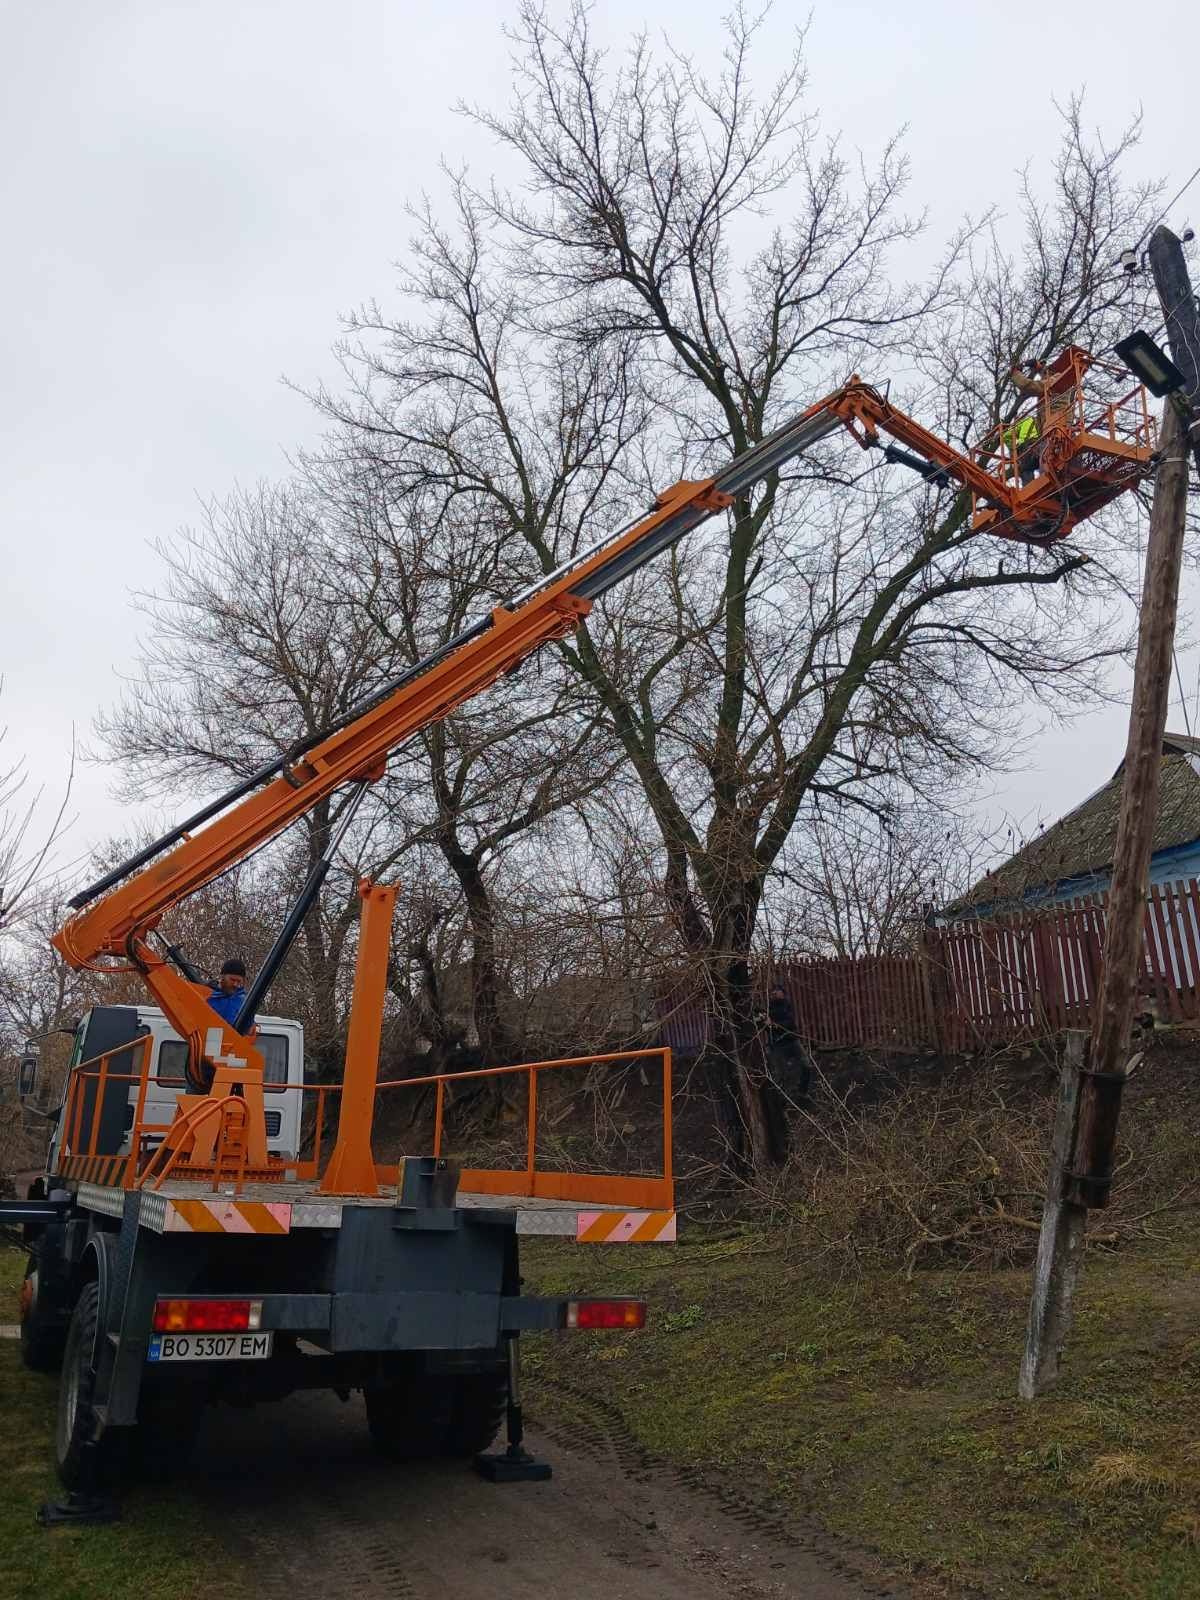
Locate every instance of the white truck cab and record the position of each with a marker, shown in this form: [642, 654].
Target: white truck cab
[106, 1028]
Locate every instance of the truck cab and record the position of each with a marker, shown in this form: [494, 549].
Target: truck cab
[107, 1028]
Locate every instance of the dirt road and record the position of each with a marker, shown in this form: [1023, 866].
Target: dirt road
[295, 1490]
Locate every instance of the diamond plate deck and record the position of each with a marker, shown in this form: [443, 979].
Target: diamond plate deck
[311, 1209]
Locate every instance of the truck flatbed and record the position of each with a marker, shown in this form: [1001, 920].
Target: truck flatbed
[183, 1206]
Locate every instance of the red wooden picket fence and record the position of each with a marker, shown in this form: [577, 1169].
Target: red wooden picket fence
[976, 983]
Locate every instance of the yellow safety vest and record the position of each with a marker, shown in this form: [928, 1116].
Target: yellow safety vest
[1024, 431]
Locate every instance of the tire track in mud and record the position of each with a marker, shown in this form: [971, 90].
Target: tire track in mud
[321, 1538]
[305, 1508]
[296, 1519]
[599, 1426]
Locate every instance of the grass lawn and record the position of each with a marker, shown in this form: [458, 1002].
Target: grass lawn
[159, 1552]
[886, 1409]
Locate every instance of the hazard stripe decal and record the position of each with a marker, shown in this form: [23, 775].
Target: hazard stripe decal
[625, 1227]
[227, 1216]
[93, 1169]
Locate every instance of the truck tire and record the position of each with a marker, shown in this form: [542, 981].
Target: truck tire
[76, 1390]
[436, 1414]
[42, 1336]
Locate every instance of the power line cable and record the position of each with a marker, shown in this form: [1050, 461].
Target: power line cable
[1167, 208]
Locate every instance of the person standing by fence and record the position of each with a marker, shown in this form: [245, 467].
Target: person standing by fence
[787, 1058]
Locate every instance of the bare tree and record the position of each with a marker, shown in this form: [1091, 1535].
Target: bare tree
[420, 568]
[857, 883]
[840, 633]
[247, 650]
[292, 605]
[38, 990]
[23, 858]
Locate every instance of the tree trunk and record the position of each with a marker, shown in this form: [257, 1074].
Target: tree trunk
[326, 1043]
[759, 1113]
[496, 1044]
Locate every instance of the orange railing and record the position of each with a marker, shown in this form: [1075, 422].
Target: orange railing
[1125, 421]
[98, 1071]
[136, 1165]
[998, 453]
[655, 1192]
[141, 1164]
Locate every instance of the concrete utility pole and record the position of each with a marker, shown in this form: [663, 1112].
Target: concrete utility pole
[1096, 1068]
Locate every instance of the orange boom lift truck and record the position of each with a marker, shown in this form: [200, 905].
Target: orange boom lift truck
[181, 1255]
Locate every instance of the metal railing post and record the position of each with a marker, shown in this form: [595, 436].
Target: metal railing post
[319, 1127]
[668, 1173]
[531, 1136]
[68, 1120]
[439, 1104]
[80, 1097]
[139, 1112]
[98, 1105]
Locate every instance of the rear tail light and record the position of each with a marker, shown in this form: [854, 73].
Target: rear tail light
[606, 1313]
[207, 1316]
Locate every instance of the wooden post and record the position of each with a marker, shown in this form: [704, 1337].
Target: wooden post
[1060, 1243]
[1183, 322]
[1100, 1098]
[933, 989]
[1094, 1074]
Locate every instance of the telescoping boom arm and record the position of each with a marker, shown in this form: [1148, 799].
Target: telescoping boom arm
[114, 917]
[120, 907]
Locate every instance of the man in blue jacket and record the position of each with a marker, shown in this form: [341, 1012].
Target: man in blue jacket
[229, 991]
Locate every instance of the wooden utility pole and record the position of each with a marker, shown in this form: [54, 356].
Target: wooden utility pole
[1183, 322]
[1096, 1068]
[1060, 1243]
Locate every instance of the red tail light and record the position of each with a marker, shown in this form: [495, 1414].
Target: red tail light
[606, 1313]
[207, 1316]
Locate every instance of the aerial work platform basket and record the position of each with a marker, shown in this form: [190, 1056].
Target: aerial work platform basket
[1087, 437]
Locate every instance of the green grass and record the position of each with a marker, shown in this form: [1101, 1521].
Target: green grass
[886, 1409]
[158, 1552]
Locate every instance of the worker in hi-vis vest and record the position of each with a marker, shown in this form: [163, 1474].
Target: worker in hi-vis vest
[1020, 441]
[1058, 387]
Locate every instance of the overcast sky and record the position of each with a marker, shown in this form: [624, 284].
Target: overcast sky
[193, 192]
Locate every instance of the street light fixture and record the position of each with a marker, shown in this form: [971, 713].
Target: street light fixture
[1150, 364]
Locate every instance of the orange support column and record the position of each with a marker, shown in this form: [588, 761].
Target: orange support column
[351, 1168]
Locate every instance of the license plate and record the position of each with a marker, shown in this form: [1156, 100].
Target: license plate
[210, 1346]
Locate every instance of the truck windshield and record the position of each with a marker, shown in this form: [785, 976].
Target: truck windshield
[172, 1059]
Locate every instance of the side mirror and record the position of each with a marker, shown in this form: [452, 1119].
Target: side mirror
[27, 1075]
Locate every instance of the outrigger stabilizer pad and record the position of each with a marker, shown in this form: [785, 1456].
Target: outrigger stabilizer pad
[513, 1465]
[77, 1510]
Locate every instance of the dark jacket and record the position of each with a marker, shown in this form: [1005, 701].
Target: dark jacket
[782, 1020]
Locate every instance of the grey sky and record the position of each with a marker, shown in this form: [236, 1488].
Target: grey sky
[194, 191]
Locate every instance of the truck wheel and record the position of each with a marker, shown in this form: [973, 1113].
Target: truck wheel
[436, 1414]
[75, 1401]
[42, 1337]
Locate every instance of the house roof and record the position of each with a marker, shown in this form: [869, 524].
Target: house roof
[1082, 842]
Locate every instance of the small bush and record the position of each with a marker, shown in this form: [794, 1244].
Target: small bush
[929, 1174]
[1128, 1473]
